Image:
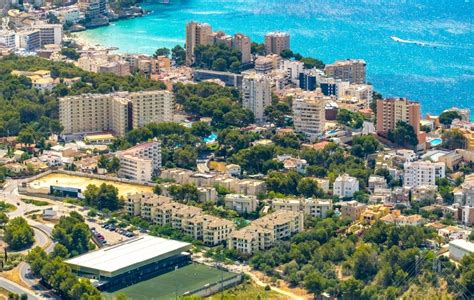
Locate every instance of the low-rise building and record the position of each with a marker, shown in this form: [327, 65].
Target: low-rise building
[241, 203]
[459, 248]
[352, 209]
[140, 162]
[262, 233]
[345, 186]
[422, 173]
[377, 182]
[311, 207]
[396, 218]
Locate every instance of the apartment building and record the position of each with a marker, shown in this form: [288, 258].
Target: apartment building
[345, 186]
[420, 173]
[29, 40]
[190, 220]
[7, 38]
[352, 70]
[309, 113]
[116, 112]
[238, 186]
[377, 182]
[50, 34]
[140, 162]
[93, 8]
[263, 65]
[310, 207]
[292, 69]
[241, 203]
[196, 34]
[352, 209]
[275, 42]
[243, 44]
[256, 94]
[391, 111]
[94, 113]
[262, 233]
[119, 68]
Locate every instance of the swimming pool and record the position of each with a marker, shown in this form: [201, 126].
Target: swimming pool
[211, 138]
[435, 142]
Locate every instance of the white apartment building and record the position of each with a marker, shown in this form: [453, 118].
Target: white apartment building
[377, 182]
[256, 94]
[422, 173]
[345, 186]
[7, 38]
[69, 14]
[241, 203]
[309, 113]
[310, 207]
[293, 69]
[50, 34]
[140, 162]
[116, 112]
[262, 233]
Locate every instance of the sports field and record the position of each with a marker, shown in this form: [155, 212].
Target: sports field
[172, 284]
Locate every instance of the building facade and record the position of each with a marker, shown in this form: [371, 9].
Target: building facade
[275, 42]
[140, 162]
[256, 94]
[391, 111]
[196, 34]
[345, 186]
[309, 113]
[422, 173]
[352, 70]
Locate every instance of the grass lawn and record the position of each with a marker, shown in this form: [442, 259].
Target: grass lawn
[35, 202]
[247, 290]
[6, 207]
[178, 282]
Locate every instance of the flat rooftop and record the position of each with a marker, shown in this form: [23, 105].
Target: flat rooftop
[126, 256]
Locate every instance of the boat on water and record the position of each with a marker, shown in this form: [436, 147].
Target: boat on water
[399, 40]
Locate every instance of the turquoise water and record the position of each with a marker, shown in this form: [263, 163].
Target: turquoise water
[211, 138]
[436, 142]
[434, 64]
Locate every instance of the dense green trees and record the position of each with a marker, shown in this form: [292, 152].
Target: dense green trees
[184, 192]
[36, 112]
[364, 145]
[454, 139]
[104, 196]
[211, 100]
[447, 117]
[18, 234]
[349, 118]
[70, 53]
[276, 113]
[72, 236]
[178, 55]
[162, 52]
[59, 276]
[217, 57]
[379, 263]
[111, 164]
[403, 135]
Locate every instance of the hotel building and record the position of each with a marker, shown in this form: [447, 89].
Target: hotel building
[352, 70]
[196, 34]
[256, 94]
[391, 111]
[140, 162]
[421, 173]
[309, 113]
[116, 112]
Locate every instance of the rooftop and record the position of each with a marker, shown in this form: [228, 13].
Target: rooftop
[132, 252]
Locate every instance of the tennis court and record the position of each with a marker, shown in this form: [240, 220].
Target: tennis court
[172, 284]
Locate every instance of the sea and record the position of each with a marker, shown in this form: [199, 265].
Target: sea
[419, 49]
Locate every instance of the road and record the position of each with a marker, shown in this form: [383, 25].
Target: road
[17, 289]
[42, 235]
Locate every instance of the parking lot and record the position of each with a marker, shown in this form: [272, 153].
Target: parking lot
[109, 233]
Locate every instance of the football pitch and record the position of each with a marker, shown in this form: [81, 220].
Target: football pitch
[172, 284]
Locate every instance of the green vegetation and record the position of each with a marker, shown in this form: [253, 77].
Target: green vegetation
[162, 52]
[35, 202]
[403, 135]
[70, 53]
[72, 236]
[217, 57]
[309, 62]
[447, 117]
[102, 197]
[453, 139]
[380, 263]
[276, 113]
[211, 100]
[349, 118]
[178, 55]
[6, 207]
[247, 290]
[32, 114]
[18, 234]
[364, 145]
[56, 274]
[112, 164]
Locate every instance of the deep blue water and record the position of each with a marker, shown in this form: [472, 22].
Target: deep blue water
[439, 73]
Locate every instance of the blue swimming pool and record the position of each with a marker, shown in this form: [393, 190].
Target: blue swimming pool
[435, 142]
[211, 138]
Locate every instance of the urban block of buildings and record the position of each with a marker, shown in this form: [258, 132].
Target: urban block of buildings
[140, 162]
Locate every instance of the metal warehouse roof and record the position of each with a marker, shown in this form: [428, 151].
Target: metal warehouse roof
[124, 256]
